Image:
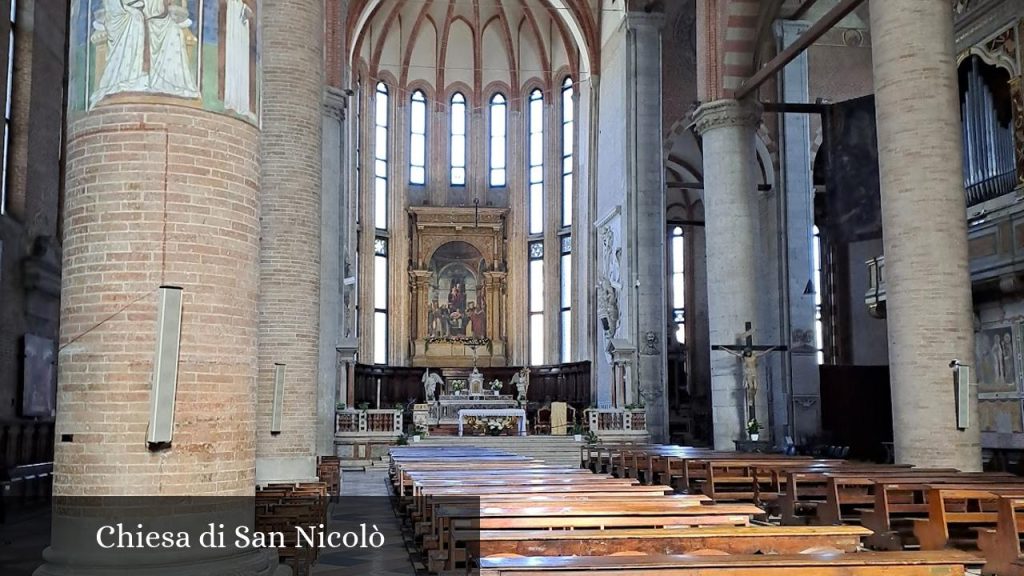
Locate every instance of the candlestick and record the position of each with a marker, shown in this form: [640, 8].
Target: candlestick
[378, 393]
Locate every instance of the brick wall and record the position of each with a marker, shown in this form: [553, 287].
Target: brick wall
[289, 309]
[158, 194]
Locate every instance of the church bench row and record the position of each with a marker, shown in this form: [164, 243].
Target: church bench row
[498, 529]
[945, 563]
[838, 495]
[283, 507]
[1001, 545]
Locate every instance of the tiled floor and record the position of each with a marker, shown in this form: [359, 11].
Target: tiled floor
[365, 500]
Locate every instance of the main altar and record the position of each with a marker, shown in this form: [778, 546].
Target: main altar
[458, 287]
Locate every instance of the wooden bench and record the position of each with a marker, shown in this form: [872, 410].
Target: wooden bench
[960, 511]
[900, 500]
[1001, 546]
[944, 563]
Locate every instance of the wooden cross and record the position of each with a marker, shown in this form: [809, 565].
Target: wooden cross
[748, 353]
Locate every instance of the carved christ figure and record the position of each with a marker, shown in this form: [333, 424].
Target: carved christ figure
[750, 376]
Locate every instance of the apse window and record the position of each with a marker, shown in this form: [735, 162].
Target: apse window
[819, 324]
[380, 301]
[568, 137]
[380, 154]
[536, 157]
[499, 140]
[536, 307]
[458, 142]
[677, 255]
[418, 139]
[566, 298]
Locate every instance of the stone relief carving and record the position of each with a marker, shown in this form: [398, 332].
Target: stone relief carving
[651, 347]
[609, 285]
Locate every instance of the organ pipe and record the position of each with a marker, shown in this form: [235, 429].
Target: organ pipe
[989, 157]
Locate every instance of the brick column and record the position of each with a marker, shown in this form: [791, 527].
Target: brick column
[924, 223]
[730, 209]
[289, 299]
[162, 189]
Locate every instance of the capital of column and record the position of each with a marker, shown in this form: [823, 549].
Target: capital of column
[334, 103]
[726, 113]
[635, 20]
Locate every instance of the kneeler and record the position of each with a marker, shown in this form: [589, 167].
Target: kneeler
[559, 418]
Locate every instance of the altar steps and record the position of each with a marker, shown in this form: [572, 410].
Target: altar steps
[558, 450]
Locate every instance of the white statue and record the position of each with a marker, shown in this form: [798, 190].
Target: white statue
[430, 383]
[521, 380]
[237, 57]
[146, 49]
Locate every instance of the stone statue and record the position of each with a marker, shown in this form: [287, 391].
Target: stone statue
[430, 383]
[521, 380]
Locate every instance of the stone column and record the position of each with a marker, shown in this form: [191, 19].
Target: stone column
[289, 300]
[333, 224]
[924, 221]
[797, 406]
[730, 208]
[648, 215]
[163, 179]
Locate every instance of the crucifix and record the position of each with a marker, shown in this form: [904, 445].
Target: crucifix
[749, 354]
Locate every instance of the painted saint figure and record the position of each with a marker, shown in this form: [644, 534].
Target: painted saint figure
[146, 49]
[237, 50]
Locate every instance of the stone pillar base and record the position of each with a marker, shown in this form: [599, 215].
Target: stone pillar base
[295, 469]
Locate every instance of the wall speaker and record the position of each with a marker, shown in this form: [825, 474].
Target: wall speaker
[962, 385]
[165, 368]
[277, 416]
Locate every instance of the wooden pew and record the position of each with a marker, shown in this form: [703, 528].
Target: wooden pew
[899, 500]
[706, 539]
[951, 509]
[1001, 546]
[944, 563]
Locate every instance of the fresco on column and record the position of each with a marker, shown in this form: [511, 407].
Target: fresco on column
[200, 53]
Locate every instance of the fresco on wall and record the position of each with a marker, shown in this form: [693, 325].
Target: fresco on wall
[457, 302]
[199, 52]
[995, 356]
[1001, 416]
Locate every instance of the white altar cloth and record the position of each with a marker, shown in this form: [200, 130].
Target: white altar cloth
[495, 412]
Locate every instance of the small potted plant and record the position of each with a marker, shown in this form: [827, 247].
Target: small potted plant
[403, 440]
[754, 429]
[496, 387]
[420, 433]
[591, 438]
[577, 432]
[341, 406]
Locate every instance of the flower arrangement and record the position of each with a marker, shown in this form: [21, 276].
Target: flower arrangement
[754, 428]
[465, 340]
[492, 426]
[458, 386]
[496, 386]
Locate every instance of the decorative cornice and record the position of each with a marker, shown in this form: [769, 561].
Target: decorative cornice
[726, 113]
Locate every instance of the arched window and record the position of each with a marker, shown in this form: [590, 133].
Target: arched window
[677, 263]
[380, 156]
[380, 243]
[536, 159]
[536, 304]
[499, 139]
[565, 272]
[458, 134]
[418, 139]
[568, 141]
